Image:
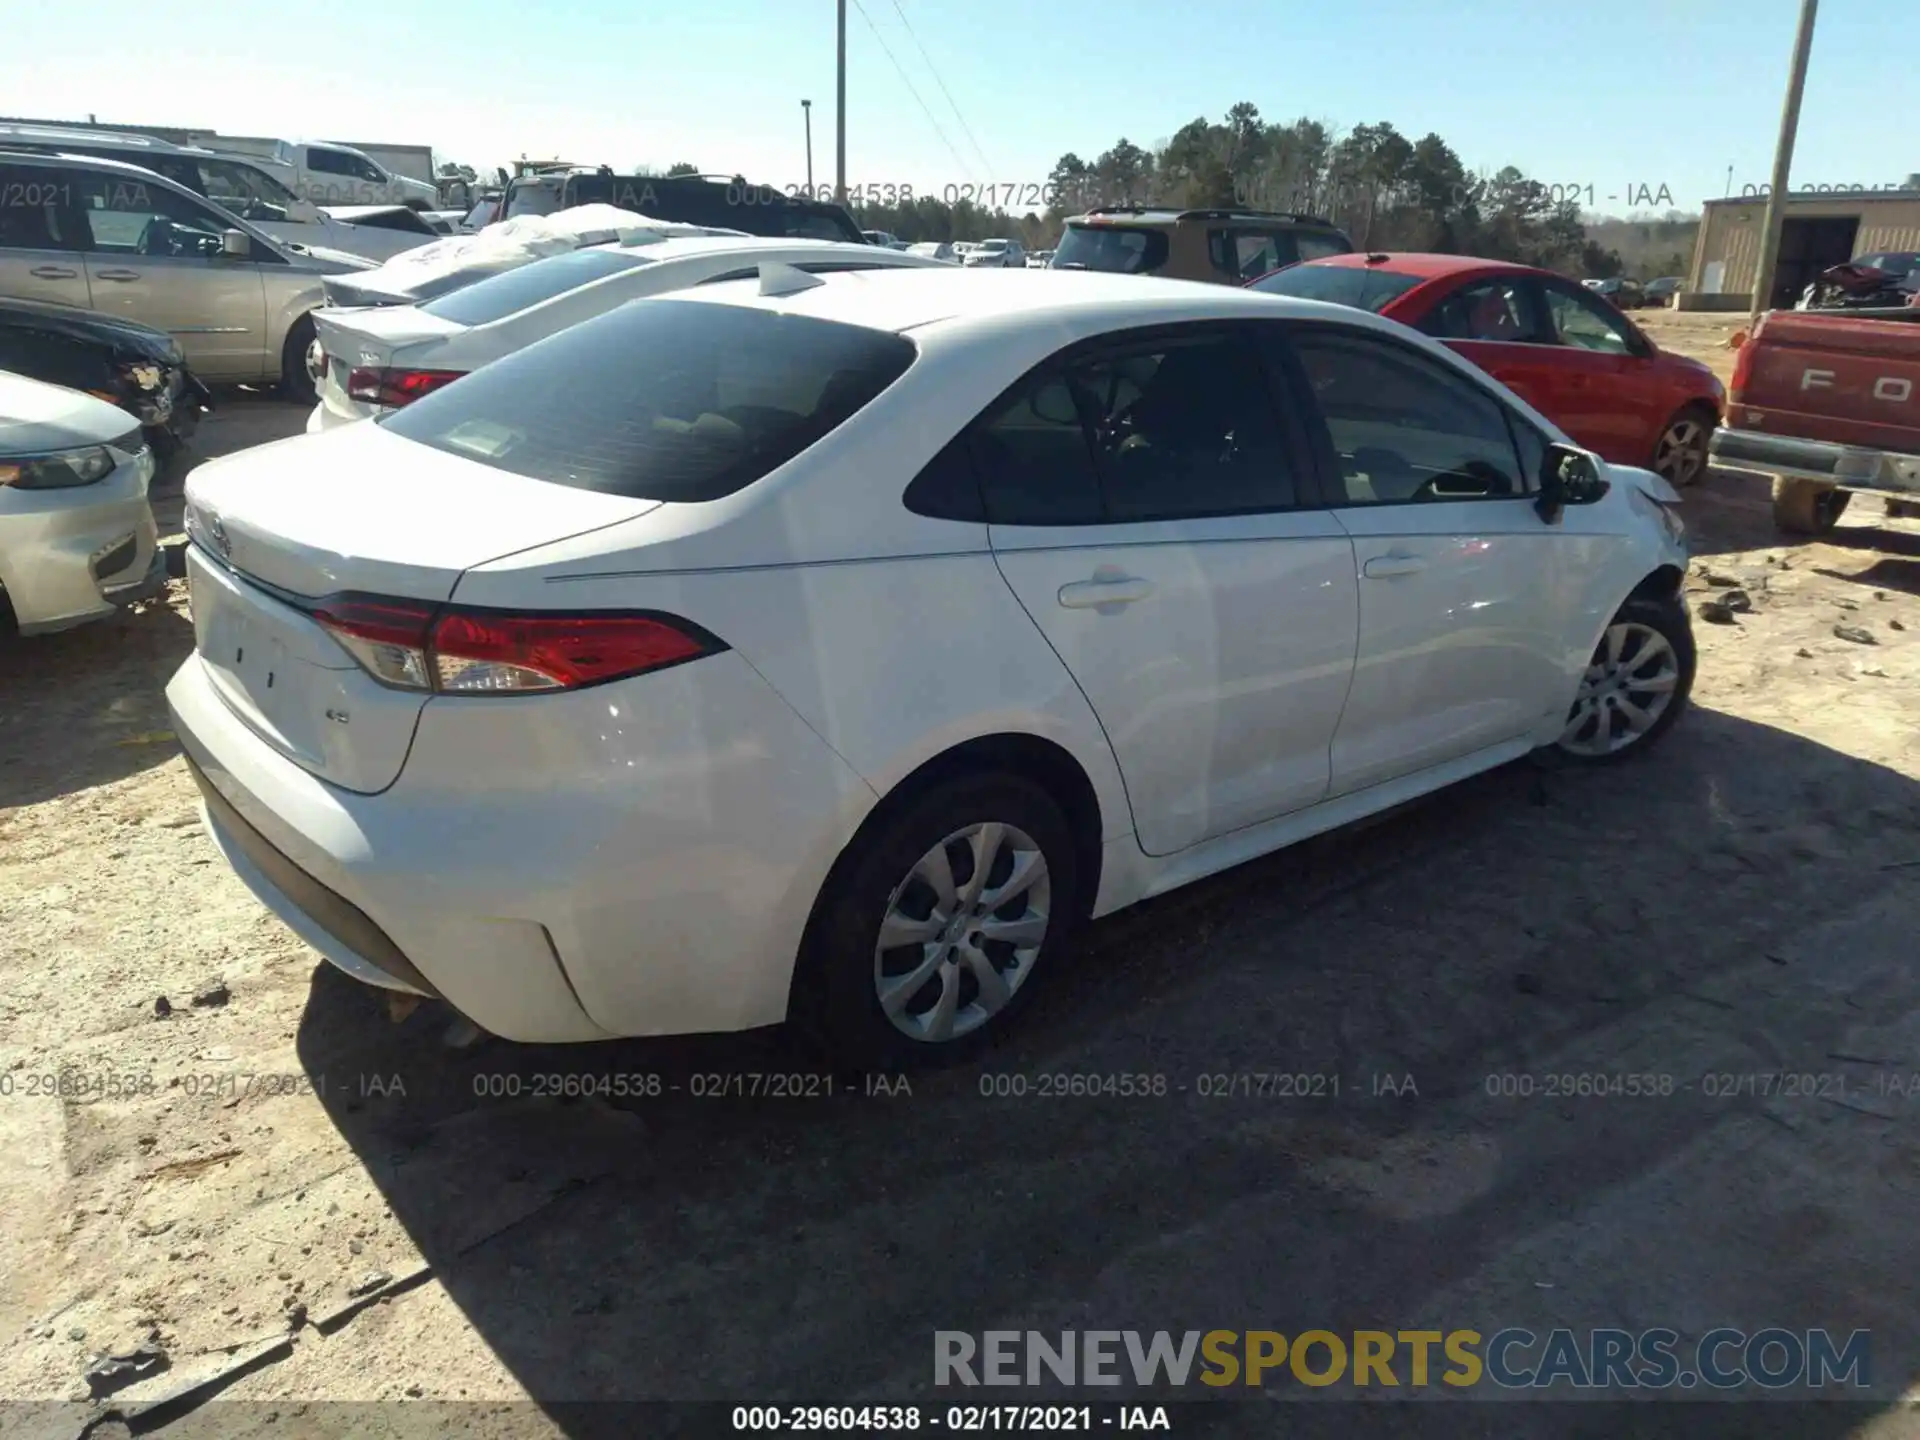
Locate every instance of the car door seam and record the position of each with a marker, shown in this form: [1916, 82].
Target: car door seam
[1133, 820]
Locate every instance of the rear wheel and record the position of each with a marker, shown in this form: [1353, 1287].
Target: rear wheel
[296, 376]
[1680, 454]
[1636, 684]
[1807, 507]
[935, 924]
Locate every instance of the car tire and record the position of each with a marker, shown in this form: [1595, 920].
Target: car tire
[1681, 454]
[1807, 507]
[1643, 666]
[882, 879]
[296, 384]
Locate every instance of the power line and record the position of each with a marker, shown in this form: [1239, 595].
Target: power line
[958, 158]
[931, 70]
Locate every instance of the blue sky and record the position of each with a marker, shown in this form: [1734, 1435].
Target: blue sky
[1607, 98]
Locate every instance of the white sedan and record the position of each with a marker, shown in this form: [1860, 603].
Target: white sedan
[828, 647]
[379, 358]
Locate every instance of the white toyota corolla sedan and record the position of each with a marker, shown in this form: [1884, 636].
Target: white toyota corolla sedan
[827, 647]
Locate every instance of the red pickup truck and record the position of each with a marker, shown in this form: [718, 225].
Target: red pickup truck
[1828, 402]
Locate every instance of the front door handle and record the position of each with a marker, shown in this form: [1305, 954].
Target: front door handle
[1385, 567]
[1091, 594]
[54, 272]
[121, 275]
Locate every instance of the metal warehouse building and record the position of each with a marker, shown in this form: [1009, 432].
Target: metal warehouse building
[1820, 230]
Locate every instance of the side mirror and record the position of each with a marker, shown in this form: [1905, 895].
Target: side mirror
[235, 245]
[303, 212]
[1568, 477]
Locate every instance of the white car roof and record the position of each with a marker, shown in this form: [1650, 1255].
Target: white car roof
[922, 298]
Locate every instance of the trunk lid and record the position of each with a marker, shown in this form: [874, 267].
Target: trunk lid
[369, 337]
[278, 527]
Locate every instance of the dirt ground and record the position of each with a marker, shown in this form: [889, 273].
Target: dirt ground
[1742, 901]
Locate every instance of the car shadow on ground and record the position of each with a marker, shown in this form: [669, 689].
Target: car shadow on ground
[699, 1244]
[85, 707]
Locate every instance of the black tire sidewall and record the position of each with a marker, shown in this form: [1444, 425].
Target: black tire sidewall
[842, 1012]
[295, 383]
[1669, 617]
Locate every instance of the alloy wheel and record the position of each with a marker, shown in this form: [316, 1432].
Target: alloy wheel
[962, 931]
[1681, 456]
[1628, 686]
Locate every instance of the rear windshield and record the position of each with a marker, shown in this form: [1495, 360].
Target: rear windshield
[498, 296]
[1362, 289]
[661, 400]
[1120, 249]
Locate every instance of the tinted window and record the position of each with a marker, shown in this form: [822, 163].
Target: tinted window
[1032, 459]
[1120, 249]
[1500, 309]
[1249, 254]
[1404, 427]
[1352, 285]
[1185, 429]
[330, 162]
[129, 216]
[666, 400]
[485, 301]
[247, 192]
[758, 210]
[35, 209]
[949, 487]
[1318, 247]
[1581, 320]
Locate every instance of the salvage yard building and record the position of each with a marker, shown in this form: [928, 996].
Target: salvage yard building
[1821, 229]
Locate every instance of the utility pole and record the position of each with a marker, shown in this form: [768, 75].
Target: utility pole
[840, 126]
[1782, 166]
[806, 111]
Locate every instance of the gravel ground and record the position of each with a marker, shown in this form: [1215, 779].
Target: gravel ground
[1741, 901]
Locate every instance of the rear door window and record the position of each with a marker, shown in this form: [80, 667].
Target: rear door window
[1248, 254]
[670, 400]
[1502, 309]
[37, 209]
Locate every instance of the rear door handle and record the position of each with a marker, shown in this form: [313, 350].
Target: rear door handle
[116, 275]
[1385, 567]
[55, 272]
[1088, 594]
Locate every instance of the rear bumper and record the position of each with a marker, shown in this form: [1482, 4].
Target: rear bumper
[635, 859]
[1847, 466]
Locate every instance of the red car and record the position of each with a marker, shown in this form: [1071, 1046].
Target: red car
[1555, 344]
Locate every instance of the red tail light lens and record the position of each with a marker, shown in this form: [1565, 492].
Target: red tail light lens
[377, 385]
[1742, 371]
[414, 646]
[475, 652]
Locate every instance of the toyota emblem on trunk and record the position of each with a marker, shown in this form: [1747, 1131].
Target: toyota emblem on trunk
[218, 534]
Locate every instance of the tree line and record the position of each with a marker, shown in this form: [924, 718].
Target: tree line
[1387, 191]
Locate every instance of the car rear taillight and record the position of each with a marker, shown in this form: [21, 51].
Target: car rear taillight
[456, 651]
[378, 385]
[1742, 372]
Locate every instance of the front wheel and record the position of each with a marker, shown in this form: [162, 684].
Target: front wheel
[1636, 684]
[936, 922]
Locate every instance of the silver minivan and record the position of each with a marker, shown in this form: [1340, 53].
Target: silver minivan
[122, 240]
